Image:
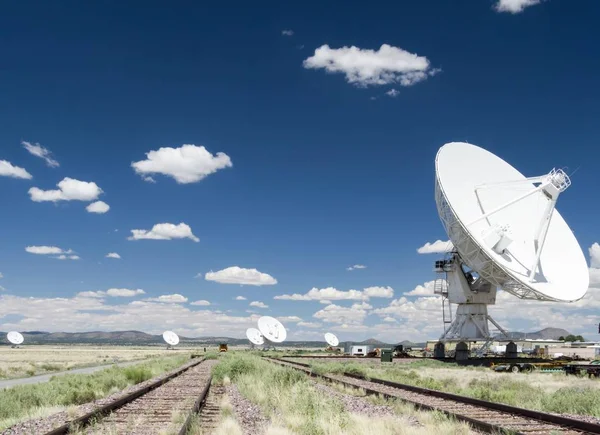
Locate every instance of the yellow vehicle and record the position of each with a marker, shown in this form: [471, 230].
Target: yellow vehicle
[223, 347]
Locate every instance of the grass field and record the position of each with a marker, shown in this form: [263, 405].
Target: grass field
[551, 392]
[294, 406]
[35, 360]
[61, 392]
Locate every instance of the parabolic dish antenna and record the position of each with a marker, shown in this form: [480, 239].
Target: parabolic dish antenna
[255, 336]
[14, 337]
[331, 339]
[171, 338]
[272, 329]
[506, 230]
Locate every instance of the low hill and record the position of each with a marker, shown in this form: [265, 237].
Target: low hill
[544, 334]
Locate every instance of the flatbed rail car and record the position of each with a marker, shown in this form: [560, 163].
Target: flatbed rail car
[526, 367]
[592, 369]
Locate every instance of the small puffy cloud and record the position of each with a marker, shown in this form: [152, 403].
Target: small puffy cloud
[112, 292]
[356, 266]
[149, 179]
[41, 152]
[8, 170]
[423, 290]
[514, 6]
[287, 32]
[379, 292]
[239, 275]
[124, 292]
[175, 298]
[47, 250]
[437, 247]
[365, 67]
[595, 255]
[1, 276]
[201, 303]
[392, 93]
[69, 189]
[390, 320]
[310, 324]
[98, 207]
[258, 304]
[362, 306]
[113, 255]
[186, 164]
[240, 298]
[595, 277]
[67, 257]
[324, 302]
[165, 231]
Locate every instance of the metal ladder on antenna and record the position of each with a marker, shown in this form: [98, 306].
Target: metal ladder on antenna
[440, 287]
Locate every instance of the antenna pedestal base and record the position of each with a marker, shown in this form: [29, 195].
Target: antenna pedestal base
[470, 324]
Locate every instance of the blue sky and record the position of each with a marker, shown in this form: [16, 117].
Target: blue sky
[322, 169]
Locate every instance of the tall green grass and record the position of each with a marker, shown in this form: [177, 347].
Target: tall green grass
[27, 401]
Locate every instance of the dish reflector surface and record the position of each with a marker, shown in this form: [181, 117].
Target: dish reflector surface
[272, 329]
[255, 336]
[331, 339]
[171, 338]
[14, 337]
[562, 274]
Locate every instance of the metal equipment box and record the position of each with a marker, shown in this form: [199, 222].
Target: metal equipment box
[386, 355]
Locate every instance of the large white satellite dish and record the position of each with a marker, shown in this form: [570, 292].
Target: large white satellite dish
[171, 338]
[15, 337]
[272, 329]
[331, 339]
[506, 230]
[255, 336]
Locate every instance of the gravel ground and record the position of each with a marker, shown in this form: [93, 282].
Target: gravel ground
[359, 405]
[46, 424]
[248, 415]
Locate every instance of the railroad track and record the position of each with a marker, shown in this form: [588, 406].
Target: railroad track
[167, 405]
[480, 414]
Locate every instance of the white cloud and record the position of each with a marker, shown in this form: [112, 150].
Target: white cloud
[240, 298]
[98, 207]
[422, 290]
[124, 292]
[239, 275]
[310, 324]
[8, 170]
[324, 302]
[379, 292]
[258, 304]
[514, 6]
[362, 306]
[1, 276]
[113, 255]
[175, 298]
[437, 247]
[68, 257]
[325, 295]
[364, 67]
[47, 250]
[287, 32]
[41, 152]
[595, 255]
[165, 231]
[392, 93]
[390, 320]
[201, 303]
[594, 277]
[186, 164]
[343, 315]
[356, 266]
[69, 189]
[113, 292]
[149, 179]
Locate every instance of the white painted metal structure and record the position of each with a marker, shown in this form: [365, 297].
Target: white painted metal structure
[171, 338]
[15, 337]
[506, 233]
[331, 339]
[255, 336]
[272, 329]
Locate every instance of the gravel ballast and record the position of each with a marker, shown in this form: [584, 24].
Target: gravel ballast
[248, 415]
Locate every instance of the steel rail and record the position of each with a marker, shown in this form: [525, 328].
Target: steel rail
[128, 398]
[565, 422]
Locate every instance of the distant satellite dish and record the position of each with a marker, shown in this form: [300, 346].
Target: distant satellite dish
[255, 336]
[14, 337]
[331, 339]
[506, 233]
[272, 329]
[171, 338]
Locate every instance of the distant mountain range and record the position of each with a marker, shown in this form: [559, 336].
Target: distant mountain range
[139, 338]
